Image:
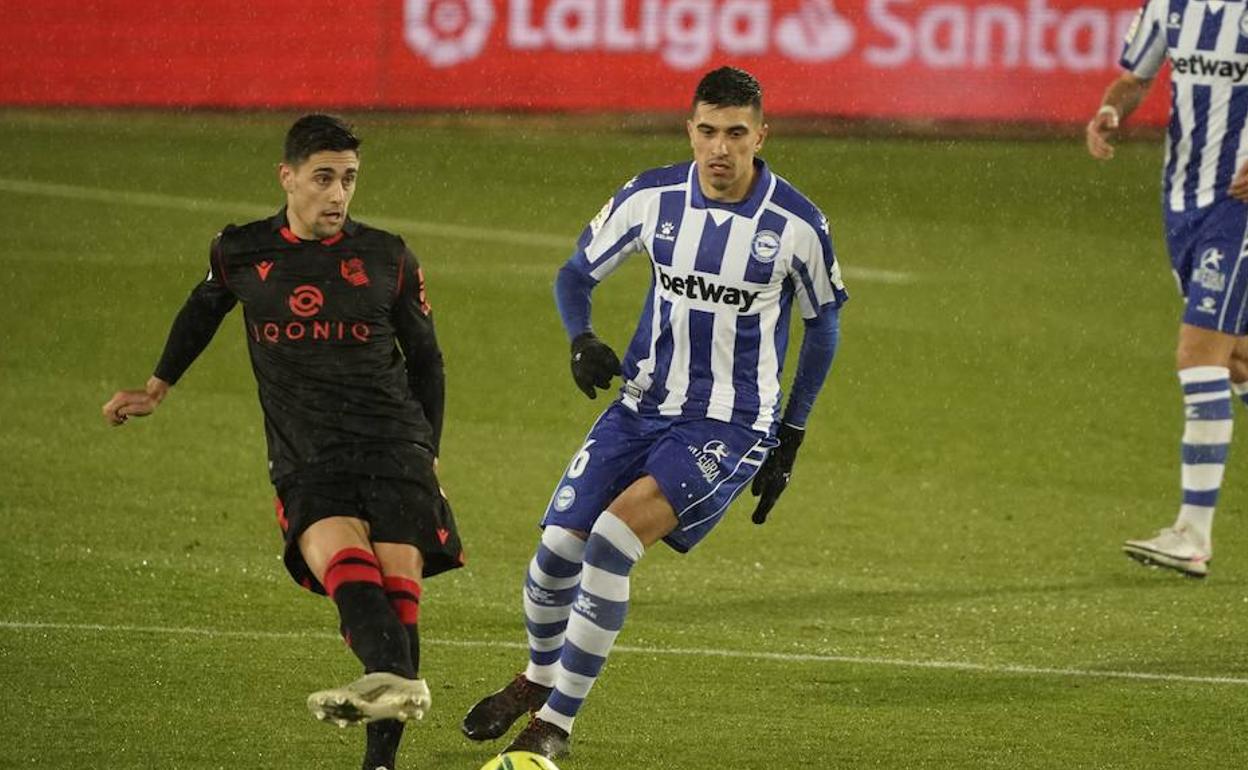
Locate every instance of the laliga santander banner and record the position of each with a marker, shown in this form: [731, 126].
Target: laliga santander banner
[1017, 60]
[1039, 60]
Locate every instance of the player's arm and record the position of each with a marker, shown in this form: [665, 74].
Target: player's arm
[1143, 53]
[1121, 99]
[817, 287]
[819, 342]
[413, 329]
[192, 330]
[610, 238]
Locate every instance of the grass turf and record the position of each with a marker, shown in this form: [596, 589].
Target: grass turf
[1002, 413]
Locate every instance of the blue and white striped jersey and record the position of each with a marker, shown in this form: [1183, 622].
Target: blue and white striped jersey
[713, 332]
[1207, 44]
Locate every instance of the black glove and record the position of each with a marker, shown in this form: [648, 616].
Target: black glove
[773, 477]
[594, 363]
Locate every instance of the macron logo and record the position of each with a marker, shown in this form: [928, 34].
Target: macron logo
[1199, 64]
[696, 287]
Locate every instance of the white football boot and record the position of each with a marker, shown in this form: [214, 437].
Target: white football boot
[370, 698]
[1175, 548]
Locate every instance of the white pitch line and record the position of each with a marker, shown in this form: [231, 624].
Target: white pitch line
[779, 657]
[412, 226]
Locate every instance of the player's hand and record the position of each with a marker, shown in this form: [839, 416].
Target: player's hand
[1239, 185]
[1100, 130]
[772, 479]
[594, 363]
[135, 403]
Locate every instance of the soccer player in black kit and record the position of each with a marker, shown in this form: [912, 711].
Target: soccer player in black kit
[351, 384]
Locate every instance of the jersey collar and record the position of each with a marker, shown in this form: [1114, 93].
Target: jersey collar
[746, 208]
[280, 224]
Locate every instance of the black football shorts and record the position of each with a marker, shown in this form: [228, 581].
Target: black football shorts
[411, 511]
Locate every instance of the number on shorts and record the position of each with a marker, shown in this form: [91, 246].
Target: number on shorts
[580, 461]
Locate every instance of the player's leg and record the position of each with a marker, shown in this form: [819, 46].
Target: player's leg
[1187, 545]
[328, 552]
[637, 518]
[550, 585]
[1216, 287]
[414, 535]
[703, 482]
[401, 566]
[608, 460]
[339, 554]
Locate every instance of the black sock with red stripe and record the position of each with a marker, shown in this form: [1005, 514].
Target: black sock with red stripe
[369, 623]
[404, 596]
[384, 736]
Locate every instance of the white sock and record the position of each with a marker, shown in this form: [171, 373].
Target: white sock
[598, 614]
[549, 589]
[1206, 443]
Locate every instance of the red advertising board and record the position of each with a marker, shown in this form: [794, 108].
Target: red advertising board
[1017, 60]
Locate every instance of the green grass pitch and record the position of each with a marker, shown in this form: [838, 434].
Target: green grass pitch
[941, 587]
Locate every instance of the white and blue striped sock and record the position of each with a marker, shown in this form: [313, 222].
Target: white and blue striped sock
[549, 589]
[1206, 442]
[597, 616]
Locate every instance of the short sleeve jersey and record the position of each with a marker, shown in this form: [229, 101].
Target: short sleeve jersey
[1206, 42]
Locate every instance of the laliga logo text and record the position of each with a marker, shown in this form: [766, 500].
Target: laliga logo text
[686, 34]
[447, 32]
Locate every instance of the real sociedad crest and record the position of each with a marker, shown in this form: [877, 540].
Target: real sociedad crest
[766, 246]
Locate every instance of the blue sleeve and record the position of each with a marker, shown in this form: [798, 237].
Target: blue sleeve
[572, 297]
[813, 363]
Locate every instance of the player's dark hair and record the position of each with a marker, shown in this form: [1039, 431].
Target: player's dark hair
[318, 133]
[729, 87]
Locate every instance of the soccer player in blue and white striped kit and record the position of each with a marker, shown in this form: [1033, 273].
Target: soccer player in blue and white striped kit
[734, 249]
[1206, 223]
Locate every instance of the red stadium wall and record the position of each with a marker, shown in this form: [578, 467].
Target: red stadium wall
[1029, 60]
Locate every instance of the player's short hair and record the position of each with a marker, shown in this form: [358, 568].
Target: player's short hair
[729, 87]
[318, 133]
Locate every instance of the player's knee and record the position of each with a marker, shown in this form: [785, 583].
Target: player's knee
[350, 565]
[1239, 364]
[1239, 371]
[1202, 347]
[645, 510]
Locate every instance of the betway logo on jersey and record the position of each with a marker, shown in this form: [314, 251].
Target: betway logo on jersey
[1201, 65]
[687, 34]
[697, 287]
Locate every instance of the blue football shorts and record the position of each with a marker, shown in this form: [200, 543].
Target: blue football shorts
[1209, 257]
[700, 465]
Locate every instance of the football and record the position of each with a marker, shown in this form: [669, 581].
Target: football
[519, 760]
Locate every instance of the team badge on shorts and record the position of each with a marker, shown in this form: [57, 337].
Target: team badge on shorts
[1243, 23]
[564, 498]
[709, 458]
[1209, 273]
[766, 246]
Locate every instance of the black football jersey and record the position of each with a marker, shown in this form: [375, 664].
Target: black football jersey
[341, 341]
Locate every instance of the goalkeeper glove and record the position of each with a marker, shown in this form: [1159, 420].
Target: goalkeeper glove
[594, 363]
[773, 477]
